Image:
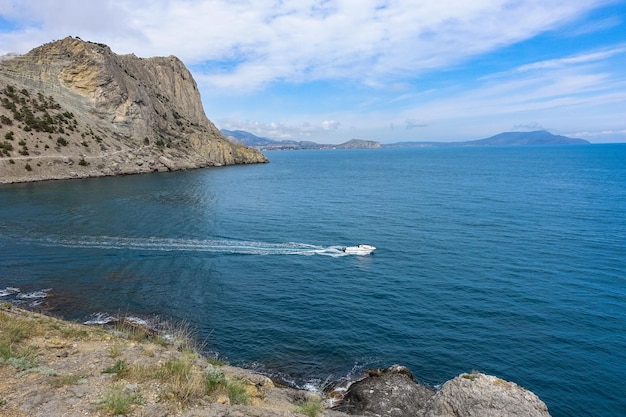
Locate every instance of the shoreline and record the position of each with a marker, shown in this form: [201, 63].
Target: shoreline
[62, 365]
[51, 366]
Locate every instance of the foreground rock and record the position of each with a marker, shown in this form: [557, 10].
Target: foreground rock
[476, 394]
[393, 392]
[75, 109]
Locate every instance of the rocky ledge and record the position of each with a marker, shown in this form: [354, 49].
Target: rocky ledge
[50, 367]
[75, 109]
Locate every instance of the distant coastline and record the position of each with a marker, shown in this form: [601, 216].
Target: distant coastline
[534, 138]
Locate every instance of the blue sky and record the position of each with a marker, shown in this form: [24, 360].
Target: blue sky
[384, 70]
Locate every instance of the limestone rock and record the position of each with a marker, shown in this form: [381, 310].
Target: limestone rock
[104, 109]
[479, 395]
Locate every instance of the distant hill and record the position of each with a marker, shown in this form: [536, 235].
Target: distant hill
[358, 144]
[538, 137]
[248, 139]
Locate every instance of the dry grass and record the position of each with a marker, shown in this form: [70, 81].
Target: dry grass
[13, 349]
[164, 369]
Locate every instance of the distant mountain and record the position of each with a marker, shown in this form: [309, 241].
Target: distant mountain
[538, 137]
[246, 138]
[358, 144]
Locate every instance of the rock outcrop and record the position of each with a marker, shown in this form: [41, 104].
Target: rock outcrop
[391, 392]
[476, 394]
[72, 108]
[394, 392]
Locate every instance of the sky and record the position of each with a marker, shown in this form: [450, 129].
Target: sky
[384, 70]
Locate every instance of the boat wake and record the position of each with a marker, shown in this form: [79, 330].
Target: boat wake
[193, 245]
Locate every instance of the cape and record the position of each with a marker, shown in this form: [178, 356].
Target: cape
[75, 109]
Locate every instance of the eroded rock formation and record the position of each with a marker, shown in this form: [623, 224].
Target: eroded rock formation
[119, 114]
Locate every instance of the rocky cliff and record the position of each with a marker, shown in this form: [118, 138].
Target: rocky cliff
[72, 108]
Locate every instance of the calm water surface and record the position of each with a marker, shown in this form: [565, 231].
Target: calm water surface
[510, 261]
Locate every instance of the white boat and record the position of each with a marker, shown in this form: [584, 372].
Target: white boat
[359, 250]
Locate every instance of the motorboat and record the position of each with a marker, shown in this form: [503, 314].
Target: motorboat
[359, 250]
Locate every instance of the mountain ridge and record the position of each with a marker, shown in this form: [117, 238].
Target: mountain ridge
[532, 138]
[128, 115]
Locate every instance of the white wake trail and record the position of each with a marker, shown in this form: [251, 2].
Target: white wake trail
[193, 245]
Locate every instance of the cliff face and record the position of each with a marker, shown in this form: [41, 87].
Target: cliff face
[120, 114]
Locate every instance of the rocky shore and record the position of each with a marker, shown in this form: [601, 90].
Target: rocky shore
[50, 367]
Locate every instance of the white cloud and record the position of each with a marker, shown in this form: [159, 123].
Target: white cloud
[330, 125]
[586, 58]
[256, 42]
[413, 123]
[529, 126]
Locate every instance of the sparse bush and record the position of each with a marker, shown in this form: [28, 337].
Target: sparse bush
[310, 408]
[28, 167]
[120, 369]
[119, 402]
[59, 381]
[216, 382]
[82, 162]
[9, 135]
[61, 141]
[116, 350]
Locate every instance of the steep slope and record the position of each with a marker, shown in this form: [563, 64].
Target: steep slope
[76, 109]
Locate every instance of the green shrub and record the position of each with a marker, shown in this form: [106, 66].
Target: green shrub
[120, 369]
[310, 408]
[118, 402]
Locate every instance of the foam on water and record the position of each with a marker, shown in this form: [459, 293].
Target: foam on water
[100, 319]
[9, 291]
[30, 299]
[34, 294]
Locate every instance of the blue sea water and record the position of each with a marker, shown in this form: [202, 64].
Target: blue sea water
[510, 261]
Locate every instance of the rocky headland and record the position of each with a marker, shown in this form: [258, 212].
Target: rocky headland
[75, 109]
[51, 367]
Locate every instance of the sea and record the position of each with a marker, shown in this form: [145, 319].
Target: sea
[509, 261]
